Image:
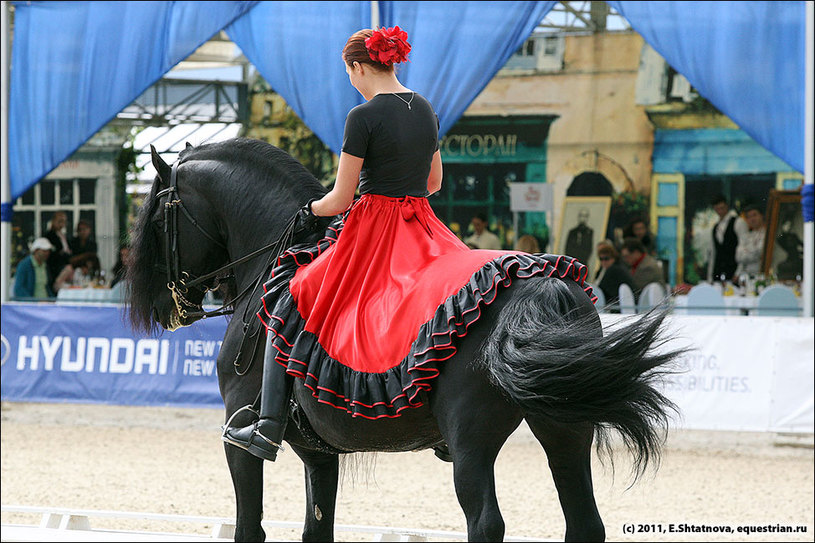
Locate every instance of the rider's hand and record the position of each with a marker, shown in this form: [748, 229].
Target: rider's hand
[306, 222]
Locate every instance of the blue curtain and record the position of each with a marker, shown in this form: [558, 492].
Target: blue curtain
[75, 65]
[746, 58]
[457, 47]
[297, 48]
[301, 59]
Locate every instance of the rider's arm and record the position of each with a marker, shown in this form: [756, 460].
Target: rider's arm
[434, 179]
[342, 195]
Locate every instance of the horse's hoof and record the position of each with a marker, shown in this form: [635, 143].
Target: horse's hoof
[443, 453]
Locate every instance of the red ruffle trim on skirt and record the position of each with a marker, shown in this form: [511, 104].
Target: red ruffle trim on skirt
[365, 321]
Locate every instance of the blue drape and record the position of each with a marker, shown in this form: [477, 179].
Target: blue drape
[75, 65]
[297, 48]
[746, 58]
[304, 64]
[457, 47]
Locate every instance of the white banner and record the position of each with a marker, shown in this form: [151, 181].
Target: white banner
[793, 378]
[530, 197]
[742, 373]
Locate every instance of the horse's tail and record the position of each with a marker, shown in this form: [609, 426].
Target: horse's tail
[548, 353]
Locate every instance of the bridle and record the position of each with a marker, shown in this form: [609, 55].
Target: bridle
[179, 282]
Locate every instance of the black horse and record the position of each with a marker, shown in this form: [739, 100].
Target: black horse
[538, 352]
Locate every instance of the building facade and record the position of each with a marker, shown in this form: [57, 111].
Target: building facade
[85, 187]
[613, 119]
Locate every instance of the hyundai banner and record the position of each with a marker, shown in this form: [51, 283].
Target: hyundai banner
[60, 353]
[739, 373]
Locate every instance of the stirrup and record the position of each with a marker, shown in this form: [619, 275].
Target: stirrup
[229, 422]
[269, 441]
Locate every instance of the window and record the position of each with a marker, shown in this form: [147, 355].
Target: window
[527, 49]
[34, 209]
[472, 188]
[551, 45]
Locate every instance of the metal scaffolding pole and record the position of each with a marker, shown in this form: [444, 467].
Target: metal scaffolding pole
[809, 143]
[374, 14]
[5, 224]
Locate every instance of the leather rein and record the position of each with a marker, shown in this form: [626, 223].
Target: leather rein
[179, 282]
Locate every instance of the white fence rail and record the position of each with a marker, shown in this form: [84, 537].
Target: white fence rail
[58, 524]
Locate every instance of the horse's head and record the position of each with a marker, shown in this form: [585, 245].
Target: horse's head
[177, 241]
[239, 193]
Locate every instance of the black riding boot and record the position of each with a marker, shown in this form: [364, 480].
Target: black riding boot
[263, 438]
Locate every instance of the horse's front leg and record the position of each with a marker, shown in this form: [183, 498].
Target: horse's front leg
[239, 391]
[247, 479]
[322, 476]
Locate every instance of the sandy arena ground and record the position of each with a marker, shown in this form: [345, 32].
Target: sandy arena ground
[171, 461]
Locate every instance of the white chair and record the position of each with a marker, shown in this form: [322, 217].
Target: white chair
[600, 304]
[627, 304]
[704, 299]
[652, 294]
[777, 301]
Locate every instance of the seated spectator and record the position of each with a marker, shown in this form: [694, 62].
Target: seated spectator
[611, 275]
[61, 253]
[83, 241]
[643, 267]
[638, 228]
[120, 268]
[751, 245]
[528, 244]
[482, 238]
[32, 279]
[82, 271]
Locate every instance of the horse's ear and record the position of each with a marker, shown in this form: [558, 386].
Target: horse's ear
[161, 167]
[189, 145]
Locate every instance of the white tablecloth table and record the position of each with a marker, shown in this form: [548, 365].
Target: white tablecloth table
[89, 295]
[734, 305]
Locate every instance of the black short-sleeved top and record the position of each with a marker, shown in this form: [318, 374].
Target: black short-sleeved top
[396, 142]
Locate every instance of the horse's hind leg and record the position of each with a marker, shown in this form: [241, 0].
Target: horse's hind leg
[322, 476]
[475, 421]
[474, 447]
[568, 448]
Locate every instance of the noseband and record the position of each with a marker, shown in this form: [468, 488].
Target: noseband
[179, 282]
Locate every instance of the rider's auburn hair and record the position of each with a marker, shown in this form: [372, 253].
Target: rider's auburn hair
[356, 51]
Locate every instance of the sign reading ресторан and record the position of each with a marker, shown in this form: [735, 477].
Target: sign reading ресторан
[479, 145]
[89, 354]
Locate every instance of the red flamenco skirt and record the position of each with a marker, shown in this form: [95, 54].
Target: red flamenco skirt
[365, 316]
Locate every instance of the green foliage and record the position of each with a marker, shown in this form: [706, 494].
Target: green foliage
[306, 147]
[126, 169]
[298, 139]
[692, 275]
[701, 105]
[625, 206]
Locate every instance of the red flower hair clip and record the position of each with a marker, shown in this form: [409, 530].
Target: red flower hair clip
[388, 46]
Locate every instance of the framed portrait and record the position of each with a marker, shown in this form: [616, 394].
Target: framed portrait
[583, 223]
[784, 242]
